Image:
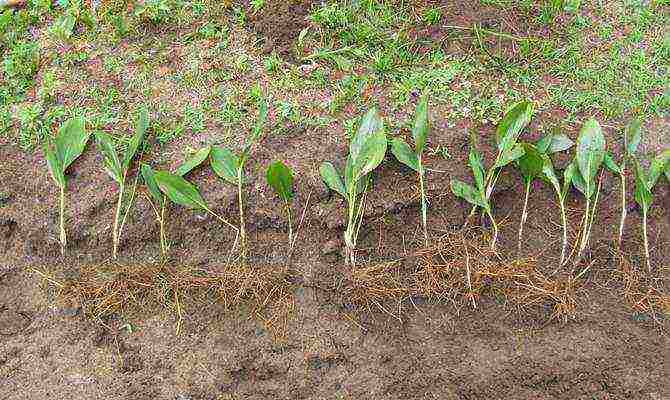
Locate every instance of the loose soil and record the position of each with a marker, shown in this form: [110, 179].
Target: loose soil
[371, 333]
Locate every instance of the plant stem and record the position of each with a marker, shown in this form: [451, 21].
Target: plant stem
[290, 225]
[564, 220]
[243, 232]
[424, 205]
[117, 216]
[161, 221]
[585, 228]
[495, 228]
[623, 205]
[63, 236]
[524, 213]
[644, 234]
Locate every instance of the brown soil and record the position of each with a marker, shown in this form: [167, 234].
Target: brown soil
[399, 327]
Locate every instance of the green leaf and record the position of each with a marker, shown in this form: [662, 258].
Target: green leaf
[512, 123]
[549, 174]
[477, 166]
[71, 141]
[109, 156]
[568, 175]
[137, 139]
[643, 195]
[509, 155]
[658, 165]
[579, 183]
[332, 178]
[633, 134]
[404, 154]
[611, 164]
[557, 143]
[590, 152]
[225, 164]
[371, 155]
[531, 163]
[468, 192]
[370, 125]
[180, 191]
[421, 125]
[280, 178]
[54, 165]
[150, 181]
[193, 161]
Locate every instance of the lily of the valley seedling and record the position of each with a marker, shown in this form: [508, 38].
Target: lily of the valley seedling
[118, 169]
[413, 158]
[230, 167]
[60, 153]
[536, 164]
[582, 172]
[159, 201]
[507, 135]
[366, 151]
[280, 178]
[644, 185]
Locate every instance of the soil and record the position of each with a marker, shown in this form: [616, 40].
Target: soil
[324, 344]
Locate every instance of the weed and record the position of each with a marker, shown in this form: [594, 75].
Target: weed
[413, 158]
[366, 151]
[60, 153]
[280, 178]
[230, 167]
[118, 169]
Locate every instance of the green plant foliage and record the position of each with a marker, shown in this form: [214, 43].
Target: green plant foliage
[180, 191]
[366, 151]
[280, 177]
[194, 161]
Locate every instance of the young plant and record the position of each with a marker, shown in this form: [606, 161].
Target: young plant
[230, 167]
[413, 158]
[159, 199]
[632, 137]
[118, 169]
[644, 184]
[590, 155]
[60, 154]
[536, 164]
[507, 135]
[366, 151]
[280, 178]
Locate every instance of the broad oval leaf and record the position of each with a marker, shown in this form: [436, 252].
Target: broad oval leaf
[549, 174]
[515, 119]
[193, 161]
[477, 166]
[110, 158]
[404, 154]
[557, 142]
[611, 164]
[280, 178]
[568, 175]
[54, 165]
[332, 178]
[137, 139]
[531, 163]
[371, 155]
[71, 141]
[370, 125]
[180, 191]
[590, 152]
[507, 156]
[150, 180]
[225, 164]
[421, 125]
[643, 195]
[658, 165]
[633, 134]
[468, 192]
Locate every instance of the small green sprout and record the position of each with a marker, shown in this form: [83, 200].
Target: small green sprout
[60, 153]
[366, 151]
[536, 164]
[644, 184]
[159, 201]
[507, 134]
[582, 172]
[413, 158]
[230, 168]
[280, 178]
[118, 169]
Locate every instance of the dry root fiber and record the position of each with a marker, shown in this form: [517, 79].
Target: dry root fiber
[643, 294]
[461, 267]
[104, 290]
